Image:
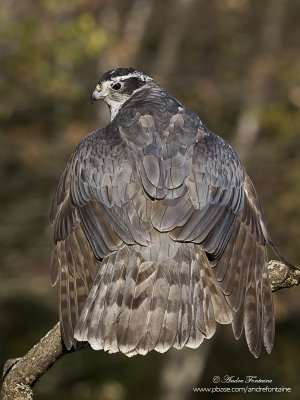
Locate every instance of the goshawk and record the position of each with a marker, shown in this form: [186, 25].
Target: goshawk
[158, 230]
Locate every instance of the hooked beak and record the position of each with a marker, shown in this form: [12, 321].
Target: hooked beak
[96, 95]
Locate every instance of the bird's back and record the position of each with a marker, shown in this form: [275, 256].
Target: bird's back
[159, 232]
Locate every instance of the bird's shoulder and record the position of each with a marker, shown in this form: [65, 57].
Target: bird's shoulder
[216, 157]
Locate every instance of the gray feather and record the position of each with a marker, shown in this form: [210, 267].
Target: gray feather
[158, 234]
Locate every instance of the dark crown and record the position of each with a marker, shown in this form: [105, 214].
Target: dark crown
[117, 72]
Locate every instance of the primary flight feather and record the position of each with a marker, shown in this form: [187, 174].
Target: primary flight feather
[158, 230]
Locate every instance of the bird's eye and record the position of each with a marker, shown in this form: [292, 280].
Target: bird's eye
[116, 86]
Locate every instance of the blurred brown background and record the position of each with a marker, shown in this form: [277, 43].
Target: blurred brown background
[237, 64]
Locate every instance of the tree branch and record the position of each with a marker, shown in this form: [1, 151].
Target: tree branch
[281, 276]
[20, 374]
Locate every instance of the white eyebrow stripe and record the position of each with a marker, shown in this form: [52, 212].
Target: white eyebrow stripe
[145, 78]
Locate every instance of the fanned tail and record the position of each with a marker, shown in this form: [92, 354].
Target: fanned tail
[136, 306]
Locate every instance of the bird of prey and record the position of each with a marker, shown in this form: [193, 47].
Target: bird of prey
[158, 230]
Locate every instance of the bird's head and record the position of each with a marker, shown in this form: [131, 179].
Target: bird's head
[115, 87]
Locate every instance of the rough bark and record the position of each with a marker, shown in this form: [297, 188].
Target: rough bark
[20, 374]
[282, 276]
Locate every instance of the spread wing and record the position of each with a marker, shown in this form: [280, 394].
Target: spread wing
[210, 200]
[82, 234]
[154, 185]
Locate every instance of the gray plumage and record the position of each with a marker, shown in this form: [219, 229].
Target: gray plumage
[158, 230]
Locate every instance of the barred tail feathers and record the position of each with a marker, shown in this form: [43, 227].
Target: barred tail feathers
[136, 306]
